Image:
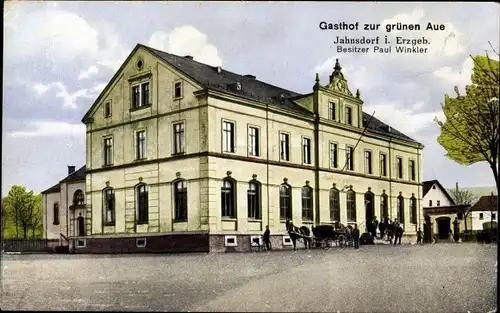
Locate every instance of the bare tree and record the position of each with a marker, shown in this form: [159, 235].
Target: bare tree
[463, 196]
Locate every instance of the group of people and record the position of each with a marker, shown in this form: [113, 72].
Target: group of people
[387, 230]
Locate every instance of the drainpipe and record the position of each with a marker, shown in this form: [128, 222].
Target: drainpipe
[317, 219]
[390, 179]
[267, 163]
[419, 220]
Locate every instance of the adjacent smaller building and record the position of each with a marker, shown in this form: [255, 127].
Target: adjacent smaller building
[442, 209]
[64, 207]
[484, 213]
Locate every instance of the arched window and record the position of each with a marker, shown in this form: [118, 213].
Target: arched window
[334, 205]
[78, 197]
[181, 200]
[253, 199]
[413, 209]
[109, 206]
[307, 203]
[384, 206]
[228, 203]
[401, 209]
[141, 194]
[285, 201]
[56, 214]
[351, 205]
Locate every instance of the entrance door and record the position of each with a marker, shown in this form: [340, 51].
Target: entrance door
[81, 226]
[369, 207]
[444, 227]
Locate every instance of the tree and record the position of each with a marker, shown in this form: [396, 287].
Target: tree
[23, 205]
[470, 133]
[463, 196]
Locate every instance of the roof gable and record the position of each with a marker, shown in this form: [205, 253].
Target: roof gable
[78, 175]
[427, 185]
[486, 203]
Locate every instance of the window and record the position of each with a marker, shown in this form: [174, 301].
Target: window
[368, 162]
[140, 95]
[438, 202]
[334, 205]
[228, 198]
[140, 242]
[401, 209]
[306, 150]
[142, 204]
[434, 187]
[350, 158]
[108, 151]
[399, 162]
[180, 200]
[307, 203]
[413, 210]
[253, 141]
[334, 155]
[253, 200]
[411, 169]
[285, 202]
[56, 214]
[351, 205]
[178, 90]
[78, 197]
[430, 202]
[384, 205]
[348, 115]
[178, 138]
[109, 206]
[481, 215]
[383, 164]
[107, 109]
[493, 216]
[140, 139]
[284, 146]
[228, 136]
[331, 111]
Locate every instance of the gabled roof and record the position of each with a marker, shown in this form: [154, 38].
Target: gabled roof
[427, 185]
[216, 78]
[75, 176]
[486, 203]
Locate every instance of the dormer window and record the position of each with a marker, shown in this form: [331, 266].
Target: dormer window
[238, 86]
[348, 115]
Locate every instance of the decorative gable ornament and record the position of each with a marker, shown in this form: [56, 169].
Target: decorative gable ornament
[338, 81]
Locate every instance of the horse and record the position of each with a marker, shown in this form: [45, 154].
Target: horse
[295, 233]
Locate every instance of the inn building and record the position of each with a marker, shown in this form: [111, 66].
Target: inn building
[181, 155]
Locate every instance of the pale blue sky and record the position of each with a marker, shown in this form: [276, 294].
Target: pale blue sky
[59, 56]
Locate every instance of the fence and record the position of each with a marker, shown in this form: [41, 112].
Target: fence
[26, 245]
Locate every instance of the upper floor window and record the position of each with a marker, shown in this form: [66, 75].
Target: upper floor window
[284, 147]
[334, 155]
[140, 95]
[109, 206]
[285, 202]
[141, 193]
[399, 164]
[228, 199]
[253, 199]
[331, 111]
[107, 109]
[140, 140]
[306, 153]
[307, 203]
[430, 202]
[228, 136]
[56, 214]
[108, 151]
[178, 90]
[383, 164]
[350, 158]
[178, 138]
[348, 115]
[78, 197]
[438, 202]
[411, 169]
[368, 162]
[180, 200]
[481, 216]
[253, 141]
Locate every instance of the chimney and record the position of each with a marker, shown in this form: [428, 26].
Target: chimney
[250, 76]
[71, 169]
[188, 57]
[456, 186]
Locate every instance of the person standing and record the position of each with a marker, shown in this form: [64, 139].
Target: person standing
[267, 238]
[355, 234]
[419, 237]
[381, 227]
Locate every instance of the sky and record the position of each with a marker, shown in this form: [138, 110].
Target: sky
[58, 57]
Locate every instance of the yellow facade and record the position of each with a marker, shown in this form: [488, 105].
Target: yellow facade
[204, 164]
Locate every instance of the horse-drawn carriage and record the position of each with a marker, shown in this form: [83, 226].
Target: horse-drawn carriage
[325, 236]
